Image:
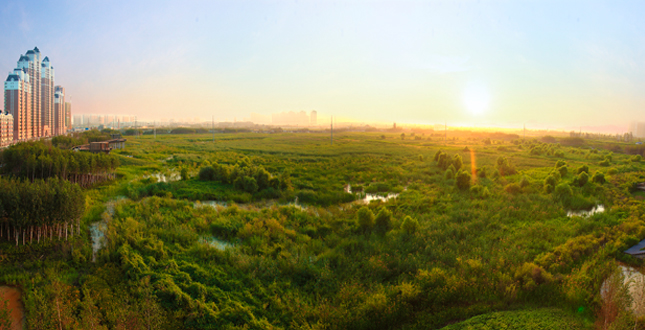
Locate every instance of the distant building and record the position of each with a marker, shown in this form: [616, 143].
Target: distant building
[17, 97]
[6, 129]
[637, 129]
[46, 97]
[313, 117]
[59, 110]
[32, 64]
[68, 116]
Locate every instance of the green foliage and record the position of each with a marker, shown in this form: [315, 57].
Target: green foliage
[598, 177]
[365, 219]
[582, 179]
[383, 221]
[636, 158]
[184, 174]
[463, 180]
[457, 162]
[524, 182]
[410, 225]
[545, 318]
[582, 168]
[504, 167]
[513, 188]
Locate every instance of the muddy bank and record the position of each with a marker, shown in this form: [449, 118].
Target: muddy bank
[13, 296]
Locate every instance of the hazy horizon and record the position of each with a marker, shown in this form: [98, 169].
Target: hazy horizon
[543, 64]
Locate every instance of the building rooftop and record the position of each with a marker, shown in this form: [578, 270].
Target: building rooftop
[13, 77]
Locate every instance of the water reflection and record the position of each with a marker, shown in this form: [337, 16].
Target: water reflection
[367, 198]
[584, 214]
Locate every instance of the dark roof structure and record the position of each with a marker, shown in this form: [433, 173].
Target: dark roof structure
[637, 250]
[13, 77]
[36, 50]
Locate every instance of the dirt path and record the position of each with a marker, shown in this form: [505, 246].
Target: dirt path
[15, 305]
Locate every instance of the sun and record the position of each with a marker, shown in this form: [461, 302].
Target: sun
[476, 99]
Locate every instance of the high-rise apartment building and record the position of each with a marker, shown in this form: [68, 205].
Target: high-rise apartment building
[68, 116]
[313, 117]
[59, 110]
[32, 62]
[6, 128]
[31, 99]
[47, 97]
[17, 101]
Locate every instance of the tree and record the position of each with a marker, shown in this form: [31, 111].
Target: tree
[463, 180]
[365, 218]
[184, 174]
[207, 173]
[598, 177]
[383, 222]
[410, 225]
[583, 178]
[457, 162]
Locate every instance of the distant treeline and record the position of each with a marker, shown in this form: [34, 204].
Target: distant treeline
[39, 208]
[36, 160]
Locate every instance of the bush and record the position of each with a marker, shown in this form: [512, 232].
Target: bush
[463, 180]
[481, 172]
[184, 174]
[207, 173]
[636, 158]
[365, 219]
[582, 179]
[550, 180]
[612, 171]
[410, 225]
[604, 163]
[383, 222]
[525, 182]
[598, 177]
[457, 162]
[583, 168]
[450, 174]
[563, 170]
[505, 167]
[513, 188]
[563, 192]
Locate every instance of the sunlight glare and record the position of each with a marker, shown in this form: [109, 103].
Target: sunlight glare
[476, 99]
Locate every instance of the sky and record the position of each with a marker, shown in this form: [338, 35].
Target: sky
[468, 63]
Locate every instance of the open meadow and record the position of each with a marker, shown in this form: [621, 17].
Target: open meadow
[377, 231]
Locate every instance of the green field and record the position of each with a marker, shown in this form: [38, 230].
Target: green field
[482, 232]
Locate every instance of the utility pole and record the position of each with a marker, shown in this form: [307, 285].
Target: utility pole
[332, 130]
[213, 128]
[445, 127]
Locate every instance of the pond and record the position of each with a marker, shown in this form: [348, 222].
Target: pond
[13, 297]
[367, 198]
[587, 213]
[216, 243]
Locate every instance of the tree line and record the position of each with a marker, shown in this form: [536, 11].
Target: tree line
[36, 160]
[39, 209]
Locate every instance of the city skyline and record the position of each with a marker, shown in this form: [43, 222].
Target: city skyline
[546, 64]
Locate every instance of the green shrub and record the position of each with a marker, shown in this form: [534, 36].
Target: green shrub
[410, 225]
[563, 170]
[463, 180]
[513, 188]
[365, 218]
[582, 179]
[636, 158]
[450, 174]
[524, 182]
[481, 172]
[612, 171]
[207, 173]
[598, 177]
[583, 168]
[383, 221]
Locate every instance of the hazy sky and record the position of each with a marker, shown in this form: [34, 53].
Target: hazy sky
[471, 62]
